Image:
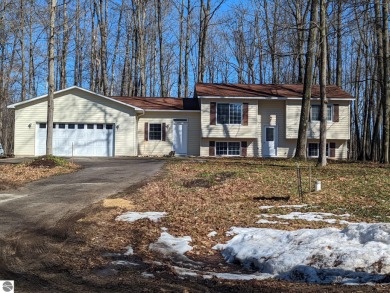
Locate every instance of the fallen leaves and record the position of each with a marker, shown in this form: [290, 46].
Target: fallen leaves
[13, 175]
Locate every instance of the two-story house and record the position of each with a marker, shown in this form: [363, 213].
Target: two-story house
[221, 120]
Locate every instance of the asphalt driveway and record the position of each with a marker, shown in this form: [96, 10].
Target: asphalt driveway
[41, 204]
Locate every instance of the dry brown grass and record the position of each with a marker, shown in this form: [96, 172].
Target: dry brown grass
[201, 196]
[14, 175]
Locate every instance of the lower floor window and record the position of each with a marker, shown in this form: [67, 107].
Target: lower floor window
[155, 131]
[314, 149]
[224, 148]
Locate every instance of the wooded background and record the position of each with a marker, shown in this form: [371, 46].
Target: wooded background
[162, 48]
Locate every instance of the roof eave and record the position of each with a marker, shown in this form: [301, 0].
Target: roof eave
[13, 106]
[270, 98]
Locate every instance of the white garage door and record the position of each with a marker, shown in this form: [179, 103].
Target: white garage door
[77, 139]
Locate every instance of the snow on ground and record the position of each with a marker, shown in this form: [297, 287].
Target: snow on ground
[212, 234]
[264, 221]
[357, 254]
[134, 216]
[310, 216]
[168, 244]
[129, 251]
[227, 276]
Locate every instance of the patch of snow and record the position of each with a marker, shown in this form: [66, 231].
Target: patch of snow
[227, 276]
[185, 272]
[264, 221]
[244, 277]
[168, 244]
[147, 275]
[357, 254]
[310, 216]
[266, 207]
[129, 251]
[212, 234]
[134, 216]
[124, 263]
[293, 206]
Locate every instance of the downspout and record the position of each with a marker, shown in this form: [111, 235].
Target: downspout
[136, 131]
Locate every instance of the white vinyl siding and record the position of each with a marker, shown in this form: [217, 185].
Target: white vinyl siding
[335, 130]
[78, 107]
[228, 130]
[161, 148]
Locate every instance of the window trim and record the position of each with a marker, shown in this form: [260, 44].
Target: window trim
[228, 142]
[330, 110]
[318, 149]
[161, 131]
[241, 117]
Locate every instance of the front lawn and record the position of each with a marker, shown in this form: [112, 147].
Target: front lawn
[15, 175]
[212, 195]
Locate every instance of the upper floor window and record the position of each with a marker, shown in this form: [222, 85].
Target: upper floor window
[229, 113]
[316, 115]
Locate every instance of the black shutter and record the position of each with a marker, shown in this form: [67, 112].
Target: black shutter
[213, 115]
[212, 148]
[244, 147]
[245, 114]
[332, 151]
[336, 113]
[163, 132]
[146, 131]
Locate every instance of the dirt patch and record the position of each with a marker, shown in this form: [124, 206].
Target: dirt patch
[43, 163]
[118, 203]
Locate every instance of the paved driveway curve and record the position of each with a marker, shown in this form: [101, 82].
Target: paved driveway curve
[42, 203]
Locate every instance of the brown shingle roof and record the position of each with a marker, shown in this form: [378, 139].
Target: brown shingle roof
[160, 103]
[266, 90]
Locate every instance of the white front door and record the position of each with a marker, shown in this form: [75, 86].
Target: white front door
[180, 136]
[269, 141]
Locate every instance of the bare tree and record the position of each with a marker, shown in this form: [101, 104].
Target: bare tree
[323, 78]
[50, 95]
[302, 132]
[386, 82]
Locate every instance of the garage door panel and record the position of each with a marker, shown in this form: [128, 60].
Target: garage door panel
[77, 139]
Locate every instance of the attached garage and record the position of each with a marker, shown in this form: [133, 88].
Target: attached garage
[85, 124]
[77, 139]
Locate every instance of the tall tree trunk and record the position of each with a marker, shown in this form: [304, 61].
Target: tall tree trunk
[163, 91]
[77, 57]
[116, 48]
[65, 42]
[310, 54]
[375, 145]
[93, 55]
[339, 64]
[203, 33]
[386, 82]
[50, 96]
[323, 79]
[187, 49]
[101, 12]
[181, 41]
[31, 70]
[22, 53]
